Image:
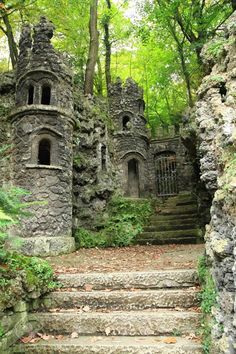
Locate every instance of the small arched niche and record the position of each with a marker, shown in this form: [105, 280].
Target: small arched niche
[46, 95]
[30, 98]
[126, 123]
[103, 157]
[44, 152]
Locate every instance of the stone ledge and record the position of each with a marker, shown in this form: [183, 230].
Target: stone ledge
[47, 167]
[47, 246]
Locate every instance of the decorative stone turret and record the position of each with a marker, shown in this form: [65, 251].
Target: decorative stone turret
[130, 136]
[42, 125]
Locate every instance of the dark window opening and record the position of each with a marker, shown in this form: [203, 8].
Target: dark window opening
[223, 91]
[44, 152]
[177, 129]
[140, 106]
[103, 157]
[46, 95]
[31, 94]
[126, 123]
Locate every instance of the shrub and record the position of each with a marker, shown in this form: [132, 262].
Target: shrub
[21, 277]
[207, 297]
[124, 221]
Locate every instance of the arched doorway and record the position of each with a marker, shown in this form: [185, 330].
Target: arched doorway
[133, 179]
[166, 173]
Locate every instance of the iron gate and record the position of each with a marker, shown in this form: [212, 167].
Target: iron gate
[166, 174]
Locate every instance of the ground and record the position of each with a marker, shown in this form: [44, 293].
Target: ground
[135, 258]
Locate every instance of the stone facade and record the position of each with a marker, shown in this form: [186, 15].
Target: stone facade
[42, 135]
[93, 171]
[146, 167]
[215, 115]
[75, 175]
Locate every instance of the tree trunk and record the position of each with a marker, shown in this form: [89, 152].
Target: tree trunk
[93, 49]
[107, 44]
[10, 37]
[99, 78]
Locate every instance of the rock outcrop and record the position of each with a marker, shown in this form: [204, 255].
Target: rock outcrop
[216, 118]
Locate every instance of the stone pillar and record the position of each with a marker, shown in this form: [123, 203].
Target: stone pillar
[42, 133]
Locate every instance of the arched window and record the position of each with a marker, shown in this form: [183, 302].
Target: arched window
[31, 94]
[104, 157]
[44, 152]
[125, 123]
[46, 95]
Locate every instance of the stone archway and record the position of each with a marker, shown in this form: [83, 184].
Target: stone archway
[133, 188]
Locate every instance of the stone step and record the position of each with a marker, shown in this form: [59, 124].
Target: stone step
[110, 345]
[178, 210]
[140, 323]
[177, 221]
[177, 241]
[168, 217]
[181, 202]
[169, 227]
[167, 235]
[121, 300]
[126, 280]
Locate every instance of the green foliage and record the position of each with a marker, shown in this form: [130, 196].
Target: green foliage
[208, 298]
[32, 273]
[21, 275]
[1, 331]
[124, 221]
[208, 293]
[11, 209]
[87, 239]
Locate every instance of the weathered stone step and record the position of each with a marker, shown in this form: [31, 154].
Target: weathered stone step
[168, 217]
[187, 221]
[166, 235]
[164, 241]
[181, 202]
[169, 227]
[110, 345]
[122, 300]
[138, 280]
[141, 323]
[178, 210]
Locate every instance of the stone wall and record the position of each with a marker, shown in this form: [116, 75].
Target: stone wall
[93, 172]
[7, 101]
[216, 118]
[14, 324]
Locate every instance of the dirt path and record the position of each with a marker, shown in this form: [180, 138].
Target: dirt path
[136, 258]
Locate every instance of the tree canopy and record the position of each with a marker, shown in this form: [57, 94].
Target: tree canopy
[159, 46]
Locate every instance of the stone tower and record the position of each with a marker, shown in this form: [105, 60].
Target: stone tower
[42, 125]
[130, 137]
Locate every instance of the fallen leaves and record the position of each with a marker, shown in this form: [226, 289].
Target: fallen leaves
[107, 331]
[36, 337]
[86, 308]
[169, 340]
[143, 258]
[88, 287]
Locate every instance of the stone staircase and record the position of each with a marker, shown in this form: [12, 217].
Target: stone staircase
[175, 221]
[117, 313]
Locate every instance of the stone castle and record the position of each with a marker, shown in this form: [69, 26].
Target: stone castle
[43, 124]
